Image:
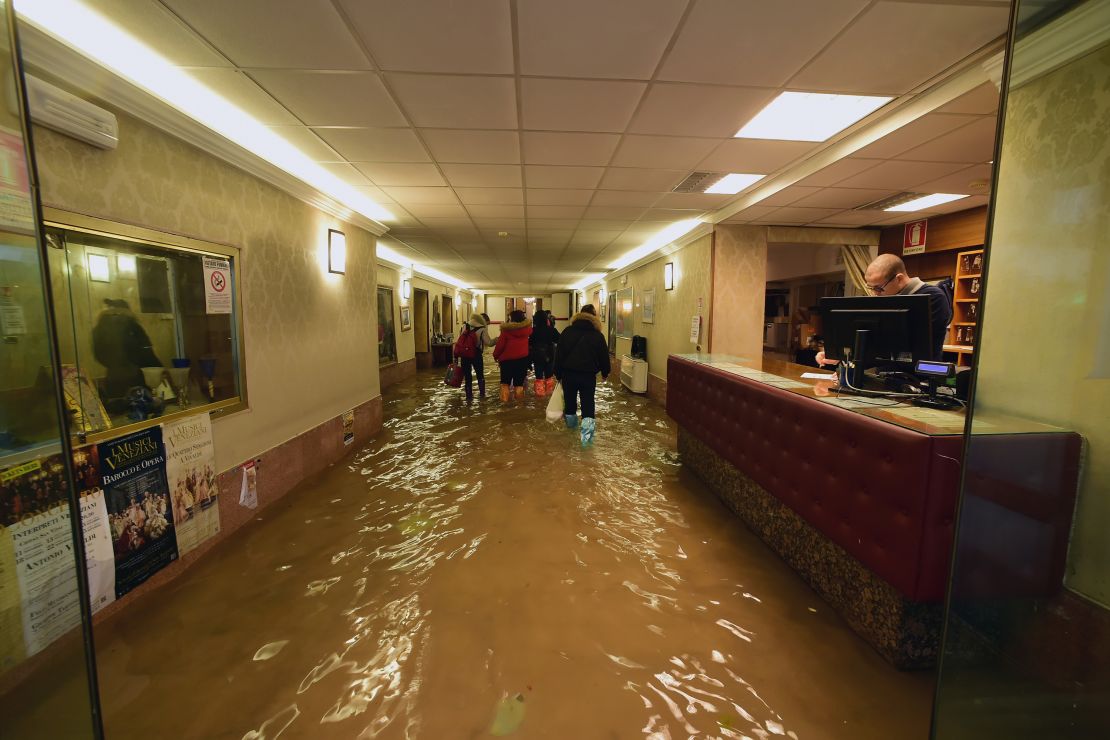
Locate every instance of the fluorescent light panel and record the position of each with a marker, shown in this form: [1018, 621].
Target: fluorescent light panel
[803, 116]
[928, 201]
[588, 280]
[732, 184]
[83, 29]
[675, 231]
[385, 253]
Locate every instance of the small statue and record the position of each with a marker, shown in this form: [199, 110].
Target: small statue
[143, 404]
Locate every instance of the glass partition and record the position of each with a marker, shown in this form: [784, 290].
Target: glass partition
[1026, 651]
[47, 683]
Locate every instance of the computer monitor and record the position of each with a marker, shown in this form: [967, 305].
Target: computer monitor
[880, 330]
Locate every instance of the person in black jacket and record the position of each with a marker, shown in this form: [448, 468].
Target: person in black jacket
[122, 346]
[580, 355]
[541, 350]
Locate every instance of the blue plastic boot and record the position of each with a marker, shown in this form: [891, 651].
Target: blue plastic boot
[589, 425]
[571, 420]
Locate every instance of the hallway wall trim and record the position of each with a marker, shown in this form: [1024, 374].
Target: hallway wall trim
[396, 372]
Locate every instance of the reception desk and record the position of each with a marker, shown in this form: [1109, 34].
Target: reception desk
[856, 494]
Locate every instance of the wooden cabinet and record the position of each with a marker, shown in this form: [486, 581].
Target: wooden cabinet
[964, 331]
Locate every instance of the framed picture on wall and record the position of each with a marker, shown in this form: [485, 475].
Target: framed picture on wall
[406, 318]
[648, 316]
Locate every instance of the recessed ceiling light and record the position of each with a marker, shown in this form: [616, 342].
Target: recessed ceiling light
[802, 116]
[926, 201]
[732, 184]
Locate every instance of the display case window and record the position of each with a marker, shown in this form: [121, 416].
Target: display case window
[148, 324]
[387, 339]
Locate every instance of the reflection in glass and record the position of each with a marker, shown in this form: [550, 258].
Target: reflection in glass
[387, 343]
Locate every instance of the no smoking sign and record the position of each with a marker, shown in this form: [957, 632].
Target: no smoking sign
[217, 278]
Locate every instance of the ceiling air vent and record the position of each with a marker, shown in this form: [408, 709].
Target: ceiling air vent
[889, 202]
[698, 182]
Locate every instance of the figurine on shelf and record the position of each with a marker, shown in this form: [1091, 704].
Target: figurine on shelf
[208, 368]
[972, 311]
[143, 404]
[977, 263]
[965, 264]
[975, 286]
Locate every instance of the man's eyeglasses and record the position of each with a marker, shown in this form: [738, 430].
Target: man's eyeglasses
[877, 289]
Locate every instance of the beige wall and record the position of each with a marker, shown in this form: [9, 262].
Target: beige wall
[1047, 310]
[670, 333]
[392, 277]
[310, 337]
[739, 290]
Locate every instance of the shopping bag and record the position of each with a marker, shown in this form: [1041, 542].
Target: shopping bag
[454, 376]
[555, 405]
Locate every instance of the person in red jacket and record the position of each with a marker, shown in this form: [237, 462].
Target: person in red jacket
[511, 352]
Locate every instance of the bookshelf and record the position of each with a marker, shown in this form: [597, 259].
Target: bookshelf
[963, 333]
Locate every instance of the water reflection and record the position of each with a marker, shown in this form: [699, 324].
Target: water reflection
[475, 572]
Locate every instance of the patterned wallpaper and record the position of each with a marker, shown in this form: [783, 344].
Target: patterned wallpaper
[1046, 317]
[310, 336]
[739, 290]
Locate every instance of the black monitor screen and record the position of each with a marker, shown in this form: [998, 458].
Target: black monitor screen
[897, 328]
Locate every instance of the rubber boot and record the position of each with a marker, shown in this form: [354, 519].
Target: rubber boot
[551, 385]
[504, 393]
[571, 420]
[589, 426]
[541, 387]
[519, 392]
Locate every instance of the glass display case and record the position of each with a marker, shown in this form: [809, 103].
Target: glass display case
[149, 324]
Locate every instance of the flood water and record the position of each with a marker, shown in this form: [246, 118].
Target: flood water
[473, 572]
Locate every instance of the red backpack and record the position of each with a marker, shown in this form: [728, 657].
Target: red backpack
[466, 347]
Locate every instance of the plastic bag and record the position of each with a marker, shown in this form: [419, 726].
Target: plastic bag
[555, 405]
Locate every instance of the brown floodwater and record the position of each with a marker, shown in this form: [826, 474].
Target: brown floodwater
[474, 572]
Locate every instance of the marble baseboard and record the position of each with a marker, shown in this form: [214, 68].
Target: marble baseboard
[395, 373]
[657, 390]
[904, 632]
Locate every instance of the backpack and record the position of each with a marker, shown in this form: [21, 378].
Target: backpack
[466, 346]
[948, 287]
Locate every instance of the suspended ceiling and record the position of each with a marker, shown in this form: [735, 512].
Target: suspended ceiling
[567, 124]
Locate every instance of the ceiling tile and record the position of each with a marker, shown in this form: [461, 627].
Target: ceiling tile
[854, 218]
[308, 143]
[375, 145]
[972, 144]
[491, 196]
[578, 105]
[923, 38]
[837, 171]
[913, 134]
[980, 100]
[245, 94]
[332, 98]
[541, 176]
[347, 173]
[553, 224]
[842, 198]
[662, 152]
[386, 173]
[899, 175]
[143, 19]
[435, 210]
[559, 197]
[697, 110]
[648, 180]
[619, 213]
[483, 175]
[412, 195]
[289, 34]
[496, 211]
[478, 147]
[624, 198]
[588, 238]
[754, 42]
[496, 223]
[568, 148]
[456, 101]
[574, 212]
[752, 213]
[670, 214]
[461, 36]
[788, 195]
[973, 179]
[696, 201]
[795, 215]
[622, 39]
[754, 156]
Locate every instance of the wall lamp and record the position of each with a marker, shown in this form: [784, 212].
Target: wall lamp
[458, 300]
[337, 252]
[668, 276]
[406, 289]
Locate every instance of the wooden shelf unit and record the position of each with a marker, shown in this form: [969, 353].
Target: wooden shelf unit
[963, 333]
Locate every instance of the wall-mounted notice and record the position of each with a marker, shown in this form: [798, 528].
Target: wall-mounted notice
[348, 427]
[133, 476]
[191, 470]
[99, 556]
[695, 330]
[217, 285]
[248, 494]
[913, 237]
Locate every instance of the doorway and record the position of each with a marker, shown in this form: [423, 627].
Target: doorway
[421, 332]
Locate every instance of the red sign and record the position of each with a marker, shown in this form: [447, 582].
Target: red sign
[913, 238]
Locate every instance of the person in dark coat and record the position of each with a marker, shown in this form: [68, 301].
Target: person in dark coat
[511, 352]
[122, 346]
[580, 355]
[541, 350]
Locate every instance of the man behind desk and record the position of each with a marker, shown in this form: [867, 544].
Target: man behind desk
[886, 276]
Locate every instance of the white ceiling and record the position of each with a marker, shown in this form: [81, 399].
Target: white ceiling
[567, 124]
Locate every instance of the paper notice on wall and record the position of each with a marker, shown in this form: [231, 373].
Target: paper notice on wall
[695, 330]
[191, 470]
[348, 427]
[217, 285]
[99, 559]
[17, 212]
[12, 650]
[47, 574]
[248, 494]
[12, 321]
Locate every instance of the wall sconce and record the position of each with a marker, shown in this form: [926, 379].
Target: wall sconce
[668, 276]
[125, 263]
[602, 295]
[337, 252]
[474, 303]
[406, 289]
[98, 268]
[458, 300]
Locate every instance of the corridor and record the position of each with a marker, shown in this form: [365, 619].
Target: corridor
[474, 572]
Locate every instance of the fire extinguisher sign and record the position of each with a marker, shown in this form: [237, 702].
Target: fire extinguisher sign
[913, 238]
